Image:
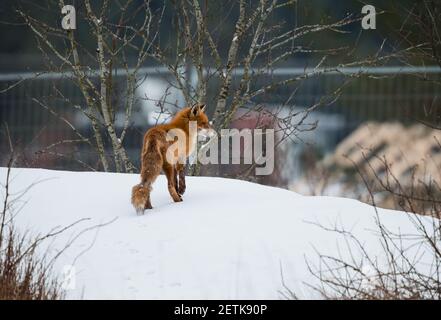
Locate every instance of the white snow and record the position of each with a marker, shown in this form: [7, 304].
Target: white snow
[228, 239]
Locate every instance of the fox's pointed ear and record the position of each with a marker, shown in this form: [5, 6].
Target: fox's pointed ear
[202, 106]
[195, 109]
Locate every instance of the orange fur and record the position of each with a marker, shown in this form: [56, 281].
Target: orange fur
[153, 156]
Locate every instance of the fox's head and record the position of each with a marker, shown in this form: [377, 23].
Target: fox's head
[197, 113]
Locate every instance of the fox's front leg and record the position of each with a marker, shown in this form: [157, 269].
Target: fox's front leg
[175, 178]
[180, 168]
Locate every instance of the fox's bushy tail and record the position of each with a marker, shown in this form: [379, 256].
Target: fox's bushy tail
[151, 164]
[140, 197]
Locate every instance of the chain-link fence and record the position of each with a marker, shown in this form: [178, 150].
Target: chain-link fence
[33, 109]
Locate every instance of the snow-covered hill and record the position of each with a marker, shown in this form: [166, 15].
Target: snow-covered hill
[229, 239]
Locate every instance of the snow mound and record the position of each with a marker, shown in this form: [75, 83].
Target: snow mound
[228, 239]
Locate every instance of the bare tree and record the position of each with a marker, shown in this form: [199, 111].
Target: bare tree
[227, 68]
[422, 25]
[238, 68]
[116, 39]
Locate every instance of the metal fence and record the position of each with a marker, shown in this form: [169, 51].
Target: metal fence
[377, 94]
[33, 110]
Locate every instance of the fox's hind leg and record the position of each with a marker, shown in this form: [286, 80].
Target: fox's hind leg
[169, 171]
[149, 173]
[180, 168]
[148, 204]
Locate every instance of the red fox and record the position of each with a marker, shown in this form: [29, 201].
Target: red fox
[154, 156]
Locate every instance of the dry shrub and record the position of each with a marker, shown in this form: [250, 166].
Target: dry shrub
[408, 266]
[25, 273]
